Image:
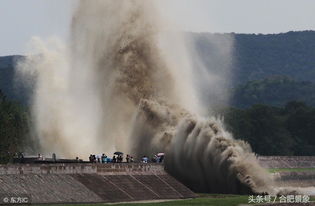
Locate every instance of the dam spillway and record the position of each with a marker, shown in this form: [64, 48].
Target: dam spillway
[124, 182]
[90, 183]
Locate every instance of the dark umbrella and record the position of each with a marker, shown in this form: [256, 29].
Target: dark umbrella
[118, 153]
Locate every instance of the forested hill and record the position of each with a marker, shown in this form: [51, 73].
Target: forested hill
[272, 95]
[260, 64]
[276, 91]
[258, 56]
[6, 75]
[270, 69]
[7, 85]
[291, 54]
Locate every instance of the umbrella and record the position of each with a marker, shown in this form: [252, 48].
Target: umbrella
[118, 153]
[160, 154]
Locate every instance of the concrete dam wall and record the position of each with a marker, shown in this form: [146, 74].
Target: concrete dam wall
[83, 183]
[295, 178]
[287, 161]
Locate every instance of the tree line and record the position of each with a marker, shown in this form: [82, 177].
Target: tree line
[14, 128]
[288, 130]
[270, 130]
[275, 91]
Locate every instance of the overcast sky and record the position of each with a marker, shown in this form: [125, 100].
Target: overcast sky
[20, 20]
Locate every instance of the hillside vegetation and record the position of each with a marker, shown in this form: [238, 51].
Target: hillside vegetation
[8, 85]
[276, 91]
[15, 133]
[290, 54]
[272, 103]
[270, 69]
[272, 130]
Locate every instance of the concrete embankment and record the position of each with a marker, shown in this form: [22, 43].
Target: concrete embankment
[287, 161]
[295, 171]
[80, 183]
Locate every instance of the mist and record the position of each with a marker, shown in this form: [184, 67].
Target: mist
[125, 82]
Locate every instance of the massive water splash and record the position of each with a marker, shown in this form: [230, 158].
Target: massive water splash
[88, 90]
[115, 86]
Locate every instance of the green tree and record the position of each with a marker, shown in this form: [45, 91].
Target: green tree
[14, 129]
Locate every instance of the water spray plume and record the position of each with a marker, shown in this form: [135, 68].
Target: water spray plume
[115, 86]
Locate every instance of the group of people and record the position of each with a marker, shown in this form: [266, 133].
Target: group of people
[105, 159]
[118, 158]
[154, 159]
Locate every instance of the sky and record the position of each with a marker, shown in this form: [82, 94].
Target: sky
[21, 20]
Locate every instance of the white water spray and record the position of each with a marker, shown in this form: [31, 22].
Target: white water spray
[119, 85]
[88, 90]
